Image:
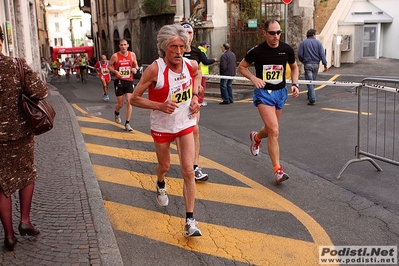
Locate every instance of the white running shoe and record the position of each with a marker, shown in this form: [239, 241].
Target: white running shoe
[280, 176]
[204, 103]
[106, 97]
[162, 198]
[190, 228]
[199, 175]
[128, 127]
[118, 119]
[254, 144]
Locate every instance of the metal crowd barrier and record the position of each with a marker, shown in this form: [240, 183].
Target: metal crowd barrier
[378, 122]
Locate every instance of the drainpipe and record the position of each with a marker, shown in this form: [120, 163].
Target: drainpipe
[108, 37]
[286, 23]
[184, 11]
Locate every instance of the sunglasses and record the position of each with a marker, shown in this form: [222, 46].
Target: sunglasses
[271, 32]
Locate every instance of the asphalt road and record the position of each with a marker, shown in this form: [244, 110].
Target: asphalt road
[245, 217]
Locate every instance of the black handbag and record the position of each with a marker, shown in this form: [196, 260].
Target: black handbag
[39, 112]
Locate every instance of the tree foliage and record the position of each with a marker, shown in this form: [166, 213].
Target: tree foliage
[249, 9]
[156, 7]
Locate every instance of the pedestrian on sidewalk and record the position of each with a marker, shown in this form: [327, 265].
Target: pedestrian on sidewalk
[193, 53]
[228, 66]
[172, 81]
[270, 93]
[103, 73]
[17, 170]
[45, 68]
[124, 65]
[310, 53]
[205, 63]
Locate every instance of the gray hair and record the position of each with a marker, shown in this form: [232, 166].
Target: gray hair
[167, 32]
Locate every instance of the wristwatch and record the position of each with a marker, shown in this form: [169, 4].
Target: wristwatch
[195, 94]
[296, 85]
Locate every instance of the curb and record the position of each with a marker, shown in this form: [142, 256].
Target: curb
[109, 250]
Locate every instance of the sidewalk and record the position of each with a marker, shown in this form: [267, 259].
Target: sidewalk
[67, 203]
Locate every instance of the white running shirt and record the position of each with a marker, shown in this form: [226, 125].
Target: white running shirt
[173, 86]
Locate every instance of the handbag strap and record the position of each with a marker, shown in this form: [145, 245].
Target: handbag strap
[21, 73]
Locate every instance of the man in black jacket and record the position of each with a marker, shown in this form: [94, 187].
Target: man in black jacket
[228, 66]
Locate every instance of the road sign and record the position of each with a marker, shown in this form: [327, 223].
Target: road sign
[287, 1]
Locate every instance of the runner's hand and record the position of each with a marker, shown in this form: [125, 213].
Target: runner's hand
[168, 107]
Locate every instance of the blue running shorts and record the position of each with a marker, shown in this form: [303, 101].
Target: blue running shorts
[275, 98]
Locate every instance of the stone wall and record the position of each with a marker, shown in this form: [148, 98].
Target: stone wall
[300, 20]
[24, 27]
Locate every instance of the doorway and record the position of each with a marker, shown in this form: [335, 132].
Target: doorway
[370, 41]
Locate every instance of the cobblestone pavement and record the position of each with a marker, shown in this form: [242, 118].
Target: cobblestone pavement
[67, 203]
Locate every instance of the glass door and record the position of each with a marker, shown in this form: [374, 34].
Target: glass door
[369, 41]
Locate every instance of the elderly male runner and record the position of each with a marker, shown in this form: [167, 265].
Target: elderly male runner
[172, 83]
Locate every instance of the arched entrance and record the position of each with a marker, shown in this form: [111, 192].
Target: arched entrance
[128, 38]
[104, 47]
[116, 41]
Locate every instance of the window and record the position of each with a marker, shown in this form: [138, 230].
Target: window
[57, 27]
[58, 42]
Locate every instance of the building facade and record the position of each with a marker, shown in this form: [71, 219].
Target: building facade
[361, 29]
[68, 26]
[20, 23]
[357, 29]
[44, 42]
[215, 21]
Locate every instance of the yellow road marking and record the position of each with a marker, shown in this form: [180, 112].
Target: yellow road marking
[74, 105]
[235, 244]
[316, 231]
[221, 241]
[136, 136]
[345, 111]
[319, 87]
[243, 196]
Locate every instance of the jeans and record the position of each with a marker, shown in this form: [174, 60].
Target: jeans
[311, 71]
[226, 90]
